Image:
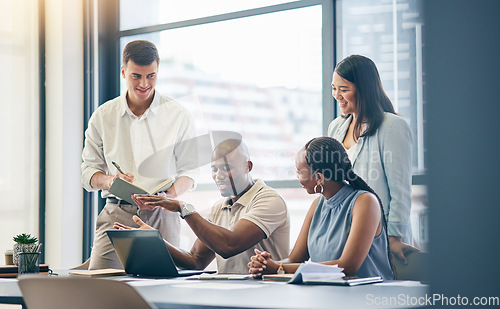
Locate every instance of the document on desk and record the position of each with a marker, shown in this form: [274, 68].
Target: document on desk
[345, 282]
[222, 277]
[315, 271]
[149, 282]
[216, 285]
[403, 283]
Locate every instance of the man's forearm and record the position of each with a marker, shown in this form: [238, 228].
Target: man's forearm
[186, 260]
[101, 181]
[223, 241]
[213, 236]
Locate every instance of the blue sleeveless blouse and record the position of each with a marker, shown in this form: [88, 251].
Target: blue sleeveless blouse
[330, 228]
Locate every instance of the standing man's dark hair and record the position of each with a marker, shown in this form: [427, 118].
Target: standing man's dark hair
[141, 52]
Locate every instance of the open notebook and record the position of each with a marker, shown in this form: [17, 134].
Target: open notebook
[320, 274]
[124, 189]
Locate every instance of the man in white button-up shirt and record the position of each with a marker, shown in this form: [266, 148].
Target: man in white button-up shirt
[139, 131]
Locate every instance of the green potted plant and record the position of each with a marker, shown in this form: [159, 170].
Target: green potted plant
[24, 243]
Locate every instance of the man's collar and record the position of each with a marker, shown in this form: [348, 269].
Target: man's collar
[123, 104]
[246, 198]
[155, 104]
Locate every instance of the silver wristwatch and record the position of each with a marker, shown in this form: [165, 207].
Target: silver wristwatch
[186, 210]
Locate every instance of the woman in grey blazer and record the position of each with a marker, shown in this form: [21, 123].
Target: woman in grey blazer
[378, 143]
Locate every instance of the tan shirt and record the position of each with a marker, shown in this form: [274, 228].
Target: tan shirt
[263, 206]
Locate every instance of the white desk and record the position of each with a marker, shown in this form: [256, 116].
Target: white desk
[180, 293]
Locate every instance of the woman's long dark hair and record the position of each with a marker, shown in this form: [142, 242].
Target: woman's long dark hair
[371, 99]
[327, 156]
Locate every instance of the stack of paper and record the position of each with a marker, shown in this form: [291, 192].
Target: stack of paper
[310, 271]
[7, 271]
[315, 273]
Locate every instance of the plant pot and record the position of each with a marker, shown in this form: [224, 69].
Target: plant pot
[22, 248]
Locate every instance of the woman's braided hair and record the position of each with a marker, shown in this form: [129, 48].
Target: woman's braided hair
[327, 156]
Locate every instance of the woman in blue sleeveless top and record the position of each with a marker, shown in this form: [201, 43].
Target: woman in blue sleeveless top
[345, 225]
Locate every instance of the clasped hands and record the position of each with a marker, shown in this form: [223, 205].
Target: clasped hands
[262, 263]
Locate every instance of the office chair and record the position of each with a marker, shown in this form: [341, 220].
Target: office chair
[416, 269]
[42, 292]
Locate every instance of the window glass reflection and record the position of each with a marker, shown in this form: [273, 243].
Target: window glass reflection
[135, 14]
[390, 33]
[259, 76]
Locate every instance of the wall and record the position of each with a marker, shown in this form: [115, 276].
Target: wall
[462, 65]
[64, 100]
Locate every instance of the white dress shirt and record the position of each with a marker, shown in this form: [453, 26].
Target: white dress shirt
[142, 146]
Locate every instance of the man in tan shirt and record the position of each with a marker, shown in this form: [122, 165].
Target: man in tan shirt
[250, 215]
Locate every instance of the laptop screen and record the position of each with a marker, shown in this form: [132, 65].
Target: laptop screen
[143, 253]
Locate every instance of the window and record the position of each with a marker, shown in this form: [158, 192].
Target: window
[263, 69]
[258, 75]
[19, 128]
[136, 14]
[390, 33]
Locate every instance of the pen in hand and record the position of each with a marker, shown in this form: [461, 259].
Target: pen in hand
[118, 167]
[126, 176]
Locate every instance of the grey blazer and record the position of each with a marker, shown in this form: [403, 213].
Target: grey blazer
[383, 160]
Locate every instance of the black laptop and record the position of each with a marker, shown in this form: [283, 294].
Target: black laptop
[143, 253]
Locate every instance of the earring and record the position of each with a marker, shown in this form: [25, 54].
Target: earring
[321, 187]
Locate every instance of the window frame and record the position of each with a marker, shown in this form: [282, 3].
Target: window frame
[42, 124]
[108, 35]
[328, 54]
